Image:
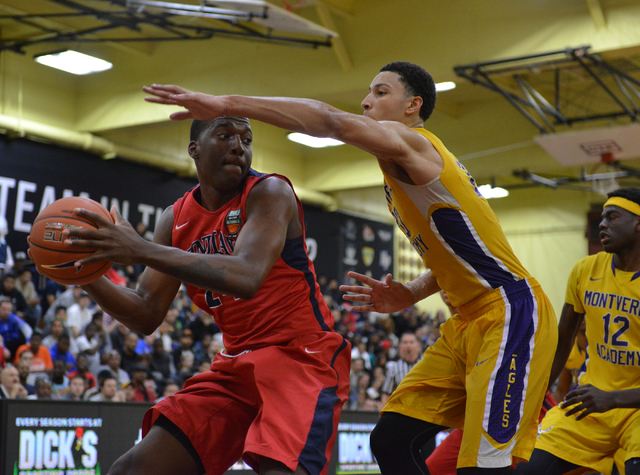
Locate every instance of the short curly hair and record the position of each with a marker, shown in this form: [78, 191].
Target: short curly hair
[417, 82]
[631, 194]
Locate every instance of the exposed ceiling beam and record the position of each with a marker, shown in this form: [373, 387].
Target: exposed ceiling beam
[336, 42]
[595, 9]
[142, 50]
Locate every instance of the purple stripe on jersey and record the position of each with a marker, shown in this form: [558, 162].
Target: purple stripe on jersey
[296, 257]
[509, 384]
[455, 232]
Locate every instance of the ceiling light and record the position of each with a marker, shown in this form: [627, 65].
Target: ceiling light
[315, 142]
[445, 86]
[74, 62]
[489, 191]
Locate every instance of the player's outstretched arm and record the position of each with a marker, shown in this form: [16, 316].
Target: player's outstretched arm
[588, 399]
[388, 296]
[388, 141]
[568, 327]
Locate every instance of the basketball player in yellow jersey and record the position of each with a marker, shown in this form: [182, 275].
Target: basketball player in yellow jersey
[489, 372]
[601, 415]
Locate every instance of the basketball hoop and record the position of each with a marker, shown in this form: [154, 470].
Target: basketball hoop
[607, 157]
[605, 186]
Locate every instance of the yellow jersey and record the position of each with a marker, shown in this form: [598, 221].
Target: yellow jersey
[454, 230]
[610, 301]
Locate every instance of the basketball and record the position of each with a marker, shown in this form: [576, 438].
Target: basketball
[52, 258]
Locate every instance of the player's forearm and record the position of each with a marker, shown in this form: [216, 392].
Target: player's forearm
[125, 305]
[298, 115]
[233, 275]
[626, 398]
[423, 286]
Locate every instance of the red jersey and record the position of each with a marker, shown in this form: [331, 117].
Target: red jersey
[289, 303]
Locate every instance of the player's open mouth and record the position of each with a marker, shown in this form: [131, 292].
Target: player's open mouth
[604, 238]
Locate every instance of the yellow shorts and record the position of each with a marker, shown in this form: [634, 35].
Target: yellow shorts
[487, 374]
[592, 441]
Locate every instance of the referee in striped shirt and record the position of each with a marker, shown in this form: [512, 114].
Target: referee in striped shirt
[410, 352]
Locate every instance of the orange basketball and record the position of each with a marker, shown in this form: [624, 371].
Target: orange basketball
[51, 256]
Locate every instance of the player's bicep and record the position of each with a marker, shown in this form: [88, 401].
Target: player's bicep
[271, 206]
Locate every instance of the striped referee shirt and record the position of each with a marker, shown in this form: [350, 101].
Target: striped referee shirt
[396, 372]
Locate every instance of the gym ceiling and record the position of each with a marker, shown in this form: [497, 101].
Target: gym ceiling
[105, 112]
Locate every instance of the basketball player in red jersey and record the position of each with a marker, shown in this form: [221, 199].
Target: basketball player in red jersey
[273, 397]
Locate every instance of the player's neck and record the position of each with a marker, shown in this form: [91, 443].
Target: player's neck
[212, 199]
[628, 260]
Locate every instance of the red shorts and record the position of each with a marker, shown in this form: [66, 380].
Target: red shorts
[280, 402]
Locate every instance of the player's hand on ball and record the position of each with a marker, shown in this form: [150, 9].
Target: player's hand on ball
[386, 296]
[114, 241]
[199, 106]
[587, 399]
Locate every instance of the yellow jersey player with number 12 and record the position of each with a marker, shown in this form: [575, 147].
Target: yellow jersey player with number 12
[600, 416]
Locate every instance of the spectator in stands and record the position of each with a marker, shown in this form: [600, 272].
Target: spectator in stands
[118, 336]
[59, 380]
[203, 325]
[358, 393]
[161, 365]
[66, 299]
[128, 352]
[200, 348]
[98, 318]
[24, 371]
[90, 343]
[108, 390]
[185, 371]
[41, 361]
[143, 393]
[10, 387]
[186, 343]
[127, 393]
[215, 347]
[357, 370]
[113, 365]
[44, 389]
[409, 352]
[164, 332]
[77, 387]
[25, 286]
[82, 368]
[78, 314]
[100, 377]
[6, 257]
[13, 329]
[56, 329]
[60, 351]
[170, 388]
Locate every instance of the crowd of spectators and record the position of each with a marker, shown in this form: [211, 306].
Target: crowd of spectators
[56, 343]
[384, 346]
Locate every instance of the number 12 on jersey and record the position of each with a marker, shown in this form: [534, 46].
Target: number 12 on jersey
[615, 338]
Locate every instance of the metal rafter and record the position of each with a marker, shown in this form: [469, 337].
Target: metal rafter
[162, 26]
[616, 89]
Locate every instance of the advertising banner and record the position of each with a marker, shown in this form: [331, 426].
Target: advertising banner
[86, 438]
